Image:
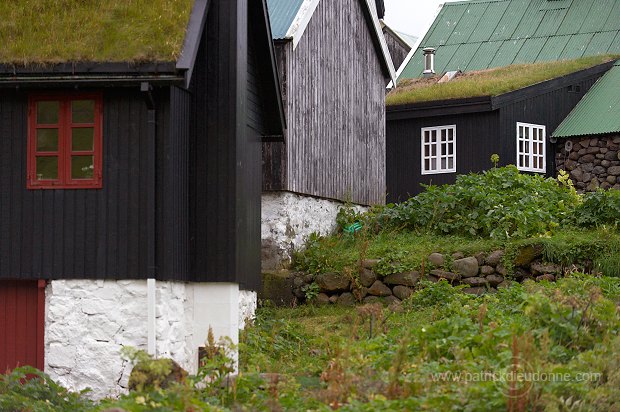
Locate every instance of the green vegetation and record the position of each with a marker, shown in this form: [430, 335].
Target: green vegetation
[535, 346]
[492, 82]
[52, 31]
[497, 209]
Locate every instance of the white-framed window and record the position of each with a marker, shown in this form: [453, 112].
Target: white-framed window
[531, 147]
[438, 149]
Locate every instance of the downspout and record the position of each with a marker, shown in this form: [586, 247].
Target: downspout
[151, 229]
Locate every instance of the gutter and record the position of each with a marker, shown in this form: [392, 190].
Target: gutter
[94, 80]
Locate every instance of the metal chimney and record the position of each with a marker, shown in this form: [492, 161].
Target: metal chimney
[429, 62]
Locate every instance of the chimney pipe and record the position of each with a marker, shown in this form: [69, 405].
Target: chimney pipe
[429, 62]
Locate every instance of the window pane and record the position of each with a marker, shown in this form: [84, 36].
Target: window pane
[427, 136]
[426, 164]
[444, 149]
[434, 150]
[47, 112]
[527, 132]
[443, 135]
[82, 139]
[451, 133]
[82, 167]
[47, 140]
[444, 163]
[83, 111]
[434, 136]
[434, 164]
[451, 149]
[535, 165]
[451, 163]
[47, 167]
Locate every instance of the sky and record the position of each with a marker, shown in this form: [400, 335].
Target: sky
[411, 16]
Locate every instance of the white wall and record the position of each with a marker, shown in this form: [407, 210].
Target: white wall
[88, 322]
[287, 221]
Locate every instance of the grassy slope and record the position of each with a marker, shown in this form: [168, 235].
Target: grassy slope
[341, 253]
[490, 82]
[50, 31]
[331, 353]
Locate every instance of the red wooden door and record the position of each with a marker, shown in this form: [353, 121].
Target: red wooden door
[22, 316]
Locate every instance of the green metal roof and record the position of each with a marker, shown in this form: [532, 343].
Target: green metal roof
[282, 13]
[483, 34]
[598, 112]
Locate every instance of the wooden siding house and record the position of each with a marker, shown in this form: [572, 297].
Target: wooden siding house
[130, 184]
[334, 66]
[518, 123]
[399, 44]
[432, 142]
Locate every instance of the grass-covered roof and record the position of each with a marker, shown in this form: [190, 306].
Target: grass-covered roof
[56, 31]
[492, 82]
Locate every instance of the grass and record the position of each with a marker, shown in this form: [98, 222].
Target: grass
[492, 82]
[569, 327]
[50, 31]
[341, 253]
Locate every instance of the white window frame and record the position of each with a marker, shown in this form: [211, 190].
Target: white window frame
[441, 150]
[531, 138]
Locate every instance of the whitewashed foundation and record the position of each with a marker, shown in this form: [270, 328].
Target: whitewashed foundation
[88, 322]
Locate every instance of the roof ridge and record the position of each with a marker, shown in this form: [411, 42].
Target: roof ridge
[525, 38]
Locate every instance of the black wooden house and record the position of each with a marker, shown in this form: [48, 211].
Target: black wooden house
[431, 142]
[148, 168]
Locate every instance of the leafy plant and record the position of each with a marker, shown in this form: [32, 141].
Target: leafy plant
[28, 389]
[499, 203]
[392, 262]
[311, 291]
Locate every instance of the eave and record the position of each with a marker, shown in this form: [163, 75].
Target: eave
[90, 74]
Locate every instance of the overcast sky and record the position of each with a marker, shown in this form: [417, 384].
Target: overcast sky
[411, 16]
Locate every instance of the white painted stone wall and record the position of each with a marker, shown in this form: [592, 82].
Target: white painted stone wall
[88, 322]
[248, 303]
[288, 219]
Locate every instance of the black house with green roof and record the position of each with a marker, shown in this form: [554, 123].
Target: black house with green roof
[131, 150]
[511, 112]
[515, 120]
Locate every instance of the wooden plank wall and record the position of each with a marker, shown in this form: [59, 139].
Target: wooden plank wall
[335, 92]
[99, 234]
[476, 140]
[398, 51]
[548, 109]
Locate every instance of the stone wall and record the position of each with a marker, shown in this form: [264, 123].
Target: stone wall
[88, 323]
[592, 162]
[288, 219]
[481, 273]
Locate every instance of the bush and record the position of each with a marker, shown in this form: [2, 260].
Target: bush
[499, 203]
[599, 208]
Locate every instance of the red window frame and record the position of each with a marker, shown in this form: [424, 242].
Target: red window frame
[65, 150]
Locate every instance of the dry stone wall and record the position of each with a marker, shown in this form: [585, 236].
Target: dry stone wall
[592, 162]
[480, 273]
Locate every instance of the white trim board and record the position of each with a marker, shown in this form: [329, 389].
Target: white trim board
[301, 21]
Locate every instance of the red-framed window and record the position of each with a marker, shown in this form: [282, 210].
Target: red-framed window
[65, 141]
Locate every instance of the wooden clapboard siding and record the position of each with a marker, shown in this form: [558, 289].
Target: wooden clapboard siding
[335, 92]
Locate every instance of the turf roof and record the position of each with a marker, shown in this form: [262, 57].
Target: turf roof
[56, 31]
[491, 82]
[482, 34]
